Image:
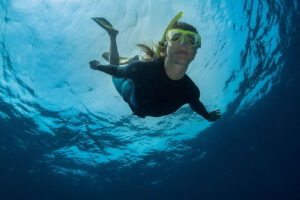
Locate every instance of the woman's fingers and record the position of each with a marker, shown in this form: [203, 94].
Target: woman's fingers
[217, 114]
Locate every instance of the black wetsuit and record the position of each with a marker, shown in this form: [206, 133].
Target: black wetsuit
[154, 93]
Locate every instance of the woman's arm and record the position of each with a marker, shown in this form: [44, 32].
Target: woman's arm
[199, 108]
[197, 105]
[115, 70]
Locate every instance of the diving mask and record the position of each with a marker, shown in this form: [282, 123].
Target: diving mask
[176, 35]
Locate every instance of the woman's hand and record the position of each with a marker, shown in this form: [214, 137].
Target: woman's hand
[214, 115]
[94, 64]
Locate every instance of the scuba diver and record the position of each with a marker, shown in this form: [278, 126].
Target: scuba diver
[158, 85]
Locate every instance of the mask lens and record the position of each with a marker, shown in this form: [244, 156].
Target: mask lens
[174, 35]
[192, 39]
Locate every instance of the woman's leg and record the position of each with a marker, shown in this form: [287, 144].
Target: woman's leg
[124, 86]
[113, 50]
[119, 83]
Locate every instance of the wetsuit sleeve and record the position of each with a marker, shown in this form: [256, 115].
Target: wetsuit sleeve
[127, 71]
[197, 105]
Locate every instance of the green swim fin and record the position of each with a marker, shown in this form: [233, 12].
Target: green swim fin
[105, 24]
[122, 60]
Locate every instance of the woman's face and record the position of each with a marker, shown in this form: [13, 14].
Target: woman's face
[181, 52]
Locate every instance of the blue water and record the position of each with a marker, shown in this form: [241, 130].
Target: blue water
[67, 134]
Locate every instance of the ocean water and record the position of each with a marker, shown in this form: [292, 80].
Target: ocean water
[65, 133]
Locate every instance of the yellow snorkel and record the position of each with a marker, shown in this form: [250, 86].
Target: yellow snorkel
[161, 43]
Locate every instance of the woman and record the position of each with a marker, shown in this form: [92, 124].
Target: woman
[160, 85]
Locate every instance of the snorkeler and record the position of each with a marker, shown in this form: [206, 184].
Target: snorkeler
[158, 85]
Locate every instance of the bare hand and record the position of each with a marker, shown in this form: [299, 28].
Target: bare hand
[214, 115]
[94, 64]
